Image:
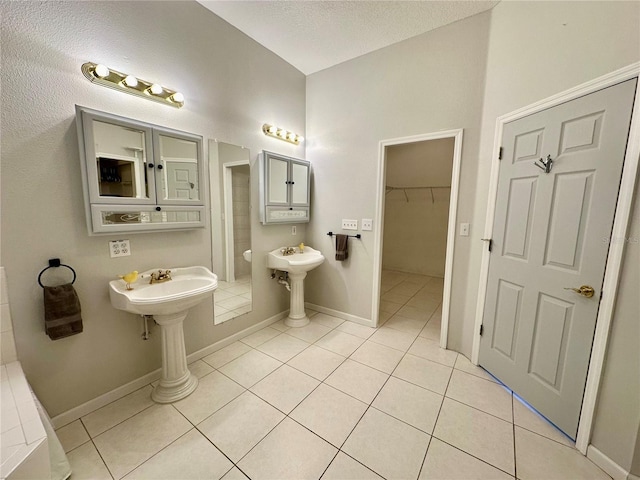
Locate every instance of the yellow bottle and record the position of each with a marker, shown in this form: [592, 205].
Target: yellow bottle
[301, 247]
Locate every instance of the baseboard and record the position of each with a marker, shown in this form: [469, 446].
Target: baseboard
[345, 316]
[81, 410]
[609, 466]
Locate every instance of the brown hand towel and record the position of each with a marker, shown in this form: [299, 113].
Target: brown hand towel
[61, 311]
[342, 247]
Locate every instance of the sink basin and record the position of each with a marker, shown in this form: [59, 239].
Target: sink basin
[295, 263]
[188, 287]
[169, 303]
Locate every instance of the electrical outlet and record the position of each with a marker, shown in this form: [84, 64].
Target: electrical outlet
[294, 230]
[349, 224]
[464, 229]
[119, 248]
[367, 224]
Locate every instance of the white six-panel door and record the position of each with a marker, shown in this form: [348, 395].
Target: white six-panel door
[551, 233]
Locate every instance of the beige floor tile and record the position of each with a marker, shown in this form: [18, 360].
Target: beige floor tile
[327, 320]
[411, 404]
[309, 333]
[72, 436]
[280, 325]
[465, 365]
[285, 388]
[260, 336]
[487, 396]
[250, 368]
[406, 289]
[477, 433]
[357, 380]
[396, 297]
[116, 412]
[341, 343]
[226, 354]
[389, 307]
[133, 442]
[431, 350]
[290, 451]
[416, 313]
[424, 373]
[86, 464]
[344, 467]
[329, 413]
[431, 331]
[240, 425]
[403, 324]
[283, 347]
[200, 368]
[538, 457]
[445, 461]
[377, 356]
[317, 362]
[356, 329]
[383, 318]
[214, 391]
[388, 446]
[393, 338]
[427, 301]
[190, 456]
[235, 474]
[525, 417]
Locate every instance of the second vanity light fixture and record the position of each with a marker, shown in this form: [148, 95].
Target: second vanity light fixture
[107, 77]
[282, 134]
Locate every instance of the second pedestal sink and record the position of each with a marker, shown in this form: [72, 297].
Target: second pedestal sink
[169, 303]
[297, 264]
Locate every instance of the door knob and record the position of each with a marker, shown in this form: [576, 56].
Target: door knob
[584, 290]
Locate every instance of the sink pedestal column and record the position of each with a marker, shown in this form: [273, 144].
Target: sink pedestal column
[297, 316]
[177, 381]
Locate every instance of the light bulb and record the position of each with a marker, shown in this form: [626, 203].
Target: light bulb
[272, 130]
[130, 81]
[156, 89]
[291, 136]
[101, 71]
[177, 97]
[300, 138]
[282, 133]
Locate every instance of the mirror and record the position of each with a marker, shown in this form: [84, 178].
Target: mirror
[229, 168]
[179, 159]
[120, 160]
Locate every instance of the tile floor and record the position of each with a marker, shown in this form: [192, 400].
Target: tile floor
[332, 400]
[232, 299]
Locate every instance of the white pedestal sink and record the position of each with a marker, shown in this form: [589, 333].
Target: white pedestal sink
[297, 265]
[169, 303]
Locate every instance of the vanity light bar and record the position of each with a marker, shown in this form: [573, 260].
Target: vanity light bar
[107, 77]
[282, 134]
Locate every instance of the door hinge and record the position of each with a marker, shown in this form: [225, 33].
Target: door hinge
[601, 293]
[500, 153]
[481, 329]
[490, 244]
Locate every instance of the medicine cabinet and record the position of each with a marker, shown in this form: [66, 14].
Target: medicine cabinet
[284, 189]
[138, 176]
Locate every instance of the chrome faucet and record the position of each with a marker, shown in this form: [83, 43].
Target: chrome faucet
[160, 276]
[288, 251]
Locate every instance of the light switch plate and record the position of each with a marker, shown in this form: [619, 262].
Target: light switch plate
[367, 224]
[464, 229]
[119, 248]
[348, 224]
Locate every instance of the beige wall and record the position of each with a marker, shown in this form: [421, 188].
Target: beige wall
[231, 85]
[426, 84]
[416, 219]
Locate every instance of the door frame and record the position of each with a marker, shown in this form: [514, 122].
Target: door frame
[616, 249]
[227, 208]
[451, 228]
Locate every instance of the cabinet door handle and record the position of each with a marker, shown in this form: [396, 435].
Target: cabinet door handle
[160, 167]
[151, 165]
[158, 209]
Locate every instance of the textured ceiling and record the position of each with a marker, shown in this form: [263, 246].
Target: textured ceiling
[313, 35]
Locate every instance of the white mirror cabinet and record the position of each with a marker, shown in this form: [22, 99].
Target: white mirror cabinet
[138, 176]
[285, 192]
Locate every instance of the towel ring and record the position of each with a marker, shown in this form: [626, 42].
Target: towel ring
[54, 263]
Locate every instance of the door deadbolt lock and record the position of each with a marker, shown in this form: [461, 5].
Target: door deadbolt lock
[584, 290]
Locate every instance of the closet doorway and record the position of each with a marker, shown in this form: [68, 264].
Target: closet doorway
[417, 215]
